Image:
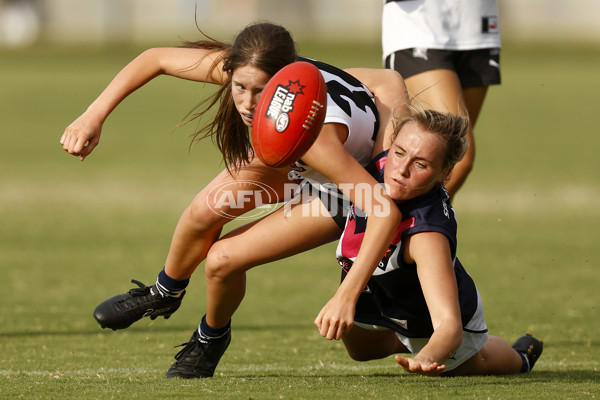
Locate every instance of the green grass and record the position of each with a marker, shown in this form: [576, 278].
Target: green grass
[74, 233]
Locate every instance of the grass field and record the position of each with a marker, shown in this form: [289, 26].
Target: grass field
[75, 233]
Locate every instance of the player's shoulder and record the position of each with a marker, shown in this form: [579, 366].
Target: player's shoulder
[331, 72]
[431, 209]
[432, 212]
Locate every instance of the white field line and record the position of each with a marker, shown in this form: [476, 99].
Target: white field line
[592, 365]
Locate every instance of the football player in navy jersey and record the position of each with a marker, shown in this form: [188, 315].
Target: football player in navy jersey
[351, 135]
[418, 299]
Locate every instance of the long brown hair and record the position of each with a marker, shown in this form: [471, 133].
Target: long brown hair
[266, 46]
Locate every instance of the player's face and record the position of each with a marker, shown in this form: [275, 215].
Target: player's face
[247, 83]
[414, 164]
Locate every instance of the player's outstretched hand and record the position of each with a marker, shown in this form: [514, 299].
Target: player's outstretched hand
[82, 136]
[417, 366]
[335, 319]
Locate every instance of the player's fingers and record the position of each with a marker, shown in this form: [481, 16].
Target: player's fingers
[65, 140]
[403, 363]
[338, 328]
[79, 146]
[88, 149]
[318, 321]
[322, 324]
[431, 367]
[343, 328]
[332, 332]
[68, 138]
[70, 143]
[328, 328]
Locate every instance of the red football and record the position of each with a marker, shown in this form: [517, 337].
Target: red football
[289, 114]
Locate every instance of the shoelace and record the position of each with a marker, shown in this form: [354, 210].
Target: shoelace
[187, 349]
[142, 290]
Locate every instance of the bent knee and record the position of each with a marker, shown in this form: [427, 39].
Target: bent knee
[220, 263]
[203, 215]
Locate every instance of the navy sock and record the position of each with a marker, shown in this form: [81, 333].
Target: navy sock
[169, 287]
[525, 366]
[208, 331]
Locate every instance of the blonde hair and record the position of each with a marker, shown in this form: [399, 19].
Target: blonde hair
[451, 128]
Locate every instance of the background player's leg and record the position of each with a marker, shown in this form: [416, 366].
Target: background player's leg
[440, 89]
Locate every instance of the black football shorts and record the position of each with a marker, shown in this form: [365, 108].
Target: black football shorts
[473, 67]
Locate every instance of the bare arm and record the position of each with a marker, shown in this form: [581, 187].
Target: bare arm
[329, 157]
[83, 135]
[431, 252]
[391, 98]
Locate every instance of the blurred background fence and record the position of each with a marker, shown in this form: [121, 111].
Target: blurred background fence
[98, 22]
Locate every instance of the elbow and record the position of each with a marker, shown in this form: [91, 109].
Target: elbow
[450, 332]
[390, 78]
[394, 81]
[394, 213]
[151, 53]
[386, 207]
[397, 213]
[153, 59]
[388, 211]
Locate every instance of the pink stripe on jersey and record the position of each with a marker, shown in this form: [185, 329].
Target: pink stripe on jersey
[351, 241]
[404, 225]
[380, 163]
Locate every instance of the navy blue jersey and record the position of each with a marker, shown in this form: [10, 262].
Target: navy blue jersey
[393, 297]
